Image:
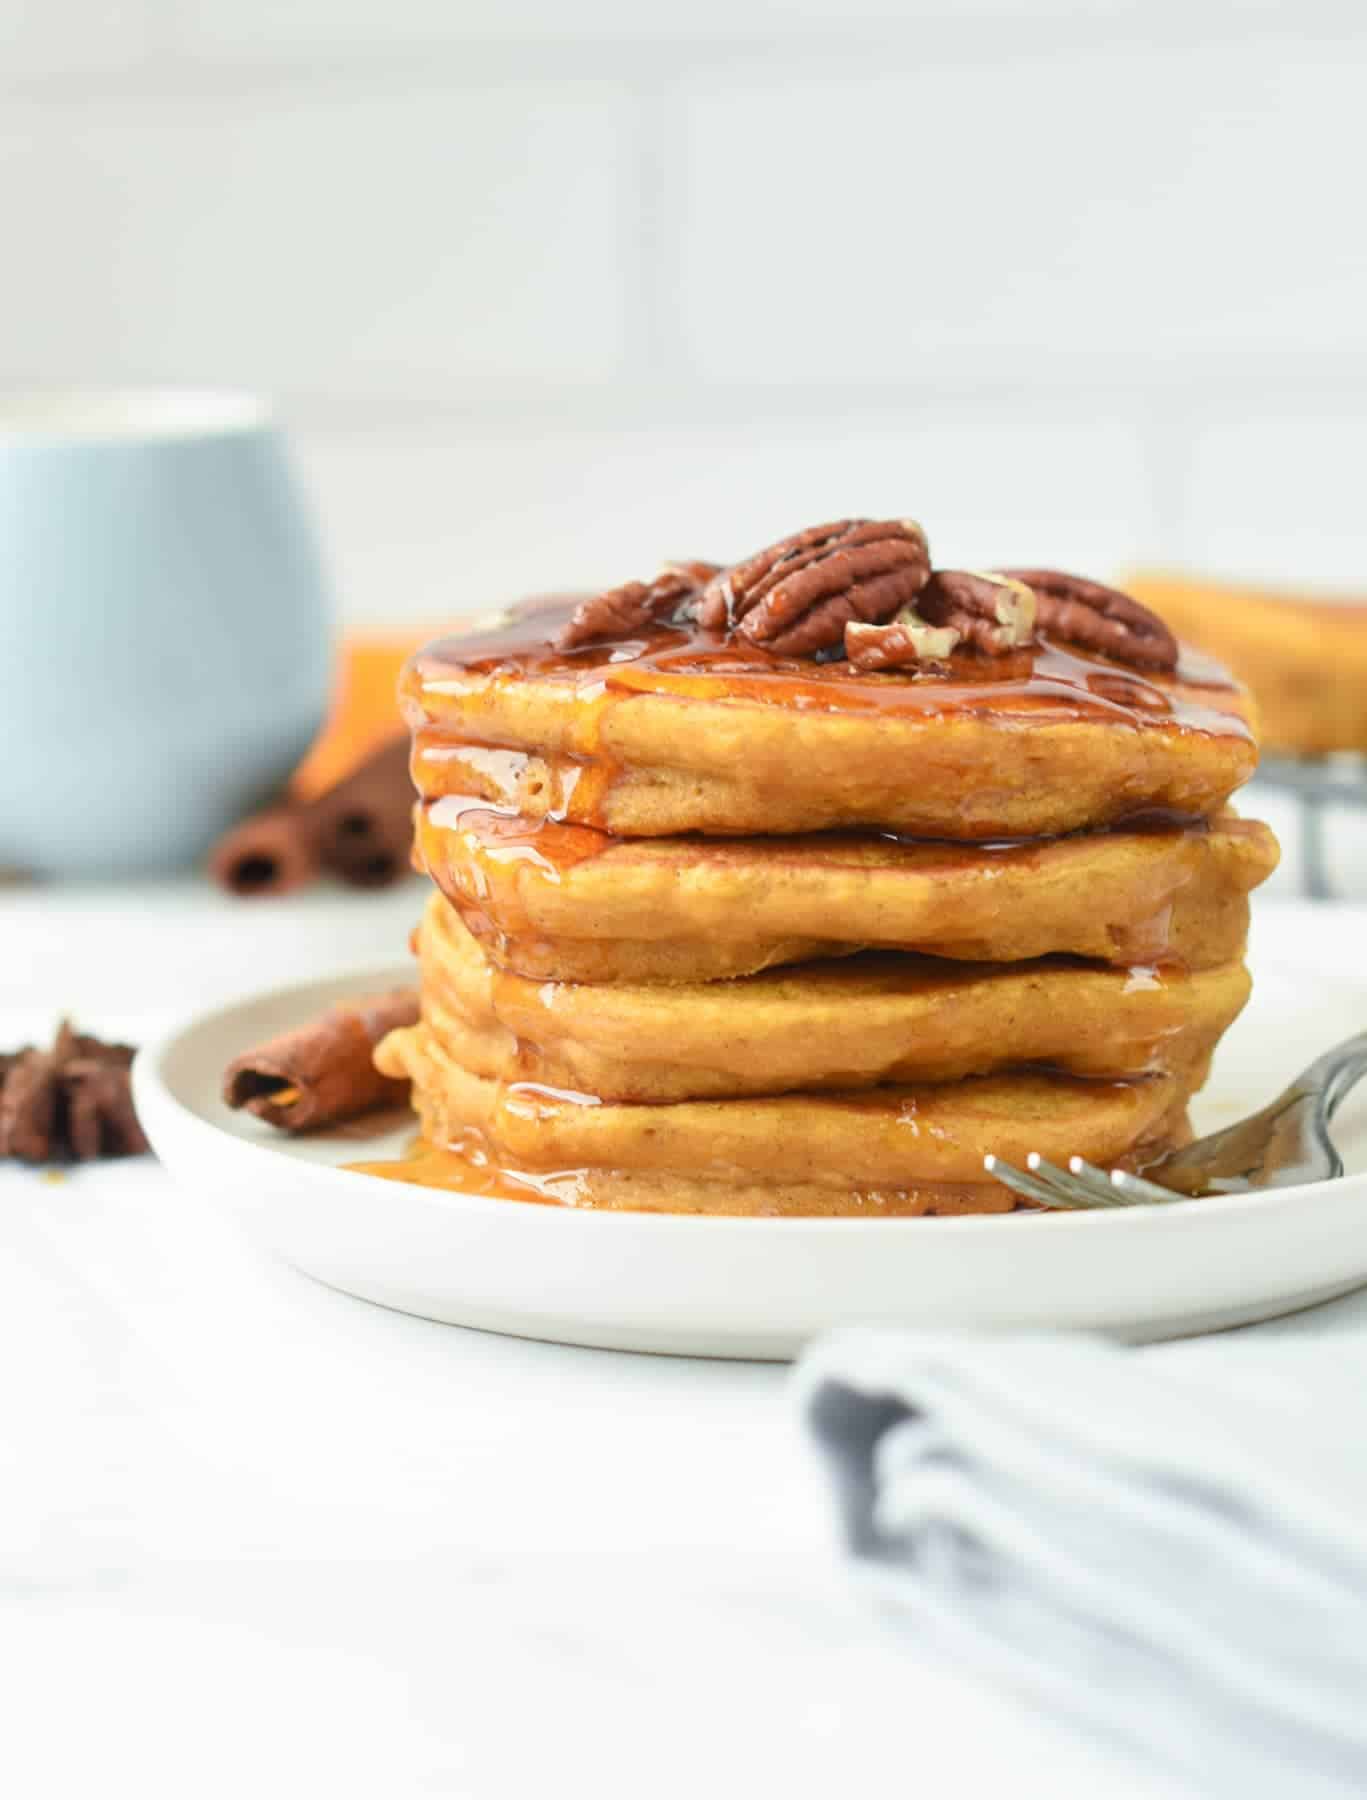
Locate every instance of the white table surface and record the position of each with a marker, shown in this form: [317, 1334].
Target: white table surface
[259, 1538]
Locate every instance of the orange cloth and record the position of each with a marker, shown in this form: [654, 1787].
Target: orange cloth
[365, 710]
[1304, 658]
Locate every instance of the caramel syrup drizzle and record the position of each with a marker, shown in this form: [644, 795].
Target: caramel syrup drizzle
[465, 1166]
[1048, 682]
[692, 663]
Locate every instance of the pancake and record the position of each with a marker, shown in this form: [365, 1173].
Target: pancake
[568, 903]
[609, 1190]
[466, 1168]
[679, 729]
[469, 1171]
[871, 1019]
[890, 1140]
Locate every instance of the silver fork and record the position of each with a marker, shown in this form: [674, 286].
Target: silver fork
[1283, 1145]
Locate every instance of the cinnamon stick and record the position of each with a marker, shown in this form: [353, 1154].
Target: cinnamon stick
[324, 1071]
[274, 852]
[360, 829]
[70, 1103]
[363, 827]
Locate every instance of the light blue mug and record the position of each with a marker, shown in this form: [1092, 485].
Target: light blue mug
[165, 631]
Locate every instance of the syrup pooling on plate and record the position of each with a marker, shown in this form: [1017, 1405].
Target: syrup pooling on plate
[465, 1167]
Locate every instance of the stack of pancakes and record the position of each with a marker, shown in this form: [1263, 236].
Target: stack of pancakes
[719, 929]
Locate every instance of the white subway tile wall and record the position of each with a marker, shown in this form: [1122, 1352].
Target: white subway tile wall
[1072, 206]
[1280, 487]
[246, 25]
[348, 242]
[61, 37]
[546, 292]
[468, 520]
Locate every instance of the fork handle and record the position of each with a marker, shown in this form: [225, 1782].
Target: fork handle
[1333, 1076]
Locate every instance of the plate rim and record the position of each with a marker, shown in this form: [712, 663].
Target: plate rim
[153, 1094]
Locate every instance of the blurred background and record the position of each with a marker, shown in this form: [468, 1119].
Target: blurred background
[548, 292]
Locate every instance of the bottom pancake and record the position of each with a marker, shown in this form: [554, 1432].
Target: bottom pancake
[885, 1149]
[467, 1169]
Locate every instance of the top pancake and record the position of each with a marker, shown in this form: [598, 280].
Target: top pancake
[682, 730]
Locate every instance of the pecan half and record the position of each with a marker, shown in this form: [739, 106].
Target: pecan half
[993, 613]
[797, 597]
[621, 610]
[1098, 618]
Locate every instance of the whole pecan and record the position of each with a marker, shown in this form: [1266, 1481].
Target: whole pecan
[1098, 618]
[621, 610]
[797, 597]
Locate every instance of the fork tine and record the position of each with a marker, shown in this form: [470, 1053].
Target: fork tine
[1137, 1191]
[1032, 1187]
[1087, 1189]
[1085, 1171]
[1149, 1192]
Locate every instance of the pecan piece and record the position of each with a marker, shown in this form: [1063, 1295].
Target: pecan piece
[989, 613]
[1098, 618]
[902, 642]
[621, 610]
[797, 597]
[993, 613]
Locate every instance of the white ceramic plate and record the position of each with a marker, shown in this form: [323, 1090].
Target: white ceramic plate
[761, 1287]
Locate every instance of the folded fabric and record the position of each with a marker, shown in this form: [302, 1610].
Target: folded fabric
[1169, 1544]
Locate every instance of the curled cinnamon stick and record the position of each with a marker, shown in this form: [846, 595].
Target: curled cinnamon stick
[323, 1072]
[360, 829]
[70, 1103]
[363, 827]
[272, 853]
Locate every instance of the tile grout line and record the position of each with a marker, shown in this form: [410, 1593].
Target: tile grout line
[172, 65]
[1165, 436]
[656, 342]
